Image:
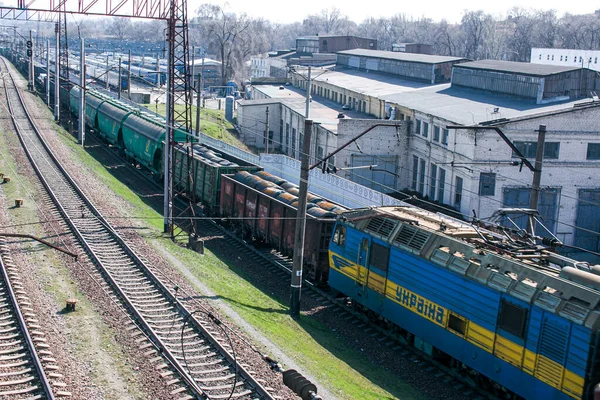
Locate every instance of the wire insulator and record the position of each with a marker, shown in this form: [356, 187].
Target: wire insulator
[550, 241]
[300, 385]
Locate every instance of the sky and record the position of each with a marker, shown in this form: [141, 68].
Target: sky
[292, 11]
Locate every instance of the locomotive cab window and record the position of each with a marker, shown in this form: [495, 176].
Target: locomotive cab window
[513, 319]
[379, 256]
[339, 237]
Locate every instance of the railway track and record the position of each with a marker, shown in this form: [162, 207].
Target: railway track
[281, 266]
[22, 373]
[191, 344]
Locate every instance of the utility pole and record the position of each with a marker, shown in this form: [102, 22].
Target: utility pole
[198, 100]
[296, 285]
[30, 59]
[119, 81]
[129, 74]
[81, 122]
[202, 76]
[267, 132]
[168, 163]
[537, 176]
[307, 114]
[106, 75]
[48, 72]
[57, 73]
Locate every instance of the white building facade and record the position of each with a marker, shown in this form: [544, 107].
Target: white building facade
[567, 57]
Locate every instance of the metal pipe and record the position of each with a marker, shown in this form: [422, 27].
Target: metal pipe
[19, 235]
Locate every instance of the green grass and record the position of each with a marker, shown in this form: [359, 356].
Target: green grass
[318, 350]
[212, 123]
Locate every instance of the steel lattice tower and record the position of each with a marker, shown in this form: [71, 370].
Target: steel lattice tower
[179, 108]
[65, 83]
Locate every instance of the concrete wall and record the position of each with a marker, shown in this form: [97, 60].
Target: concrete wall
[252, 119]
[392, 139]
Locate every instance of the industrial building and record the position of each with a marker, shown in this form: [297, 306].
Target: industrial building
[286, 115]
[534, 82]
[566, 57]
[420, 48]
[419, 67]
[333, 43]
[472, 169]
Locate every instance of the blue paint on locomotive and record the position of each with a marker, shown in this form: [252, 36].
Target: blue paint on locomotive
[420, 297]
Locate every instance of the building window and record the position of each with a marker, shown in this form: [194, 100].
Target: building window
[487, 184]
[548, 57]
[339, 237]
[432, 181]
[458, 192]
[441, 184]
[593, 151]
[422, 176]
[512, 319]
[294, 142]
[552, 57]
[379, 256]
[418, 126]
[425, 129]
[445, 134]
[566, 58]
[540, 57]
[561, 57]
[436, 133]
[529, 149]
[287, 138]
[415, 175]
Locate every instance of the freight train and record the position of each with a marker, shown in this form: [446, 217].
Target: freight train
[140, 135]
[508, 314]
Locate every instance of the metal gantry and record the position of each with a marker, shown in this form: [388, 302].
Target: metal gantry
[178, 81]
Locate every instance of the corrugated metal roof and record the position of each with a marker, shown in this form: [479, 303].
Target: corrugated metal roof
[522, 68]
[399, 56]
[469, 107]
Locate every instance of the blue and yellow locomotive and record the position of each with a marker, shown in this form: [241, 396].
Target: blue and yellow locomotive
[508, 314]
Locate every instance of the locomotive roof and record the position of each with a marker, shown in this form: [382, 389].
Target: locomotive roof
[523, 269]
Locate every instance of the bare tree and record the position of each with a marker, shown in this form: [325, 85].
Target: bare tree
[224, 32]
[474, 25]
[121, 28]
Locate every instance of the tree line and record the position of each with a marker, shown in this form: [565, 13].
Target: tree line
[233, 38]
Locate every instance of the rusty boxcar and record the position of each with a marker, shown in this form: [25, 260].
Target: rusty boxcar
[264, 207]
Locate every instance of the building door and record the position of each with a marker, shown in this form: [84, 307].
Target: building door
[382, 177]
[547, 206]
[588, 218]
